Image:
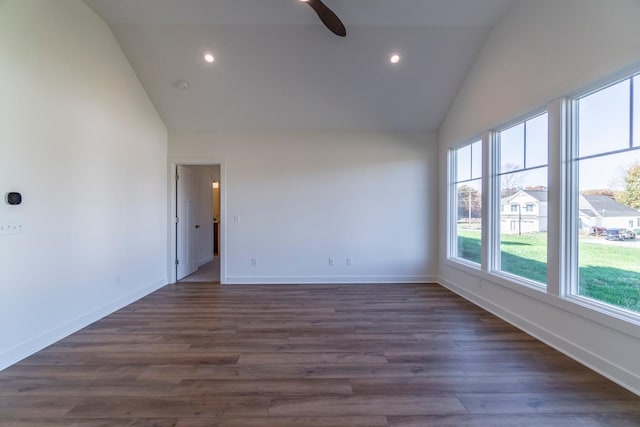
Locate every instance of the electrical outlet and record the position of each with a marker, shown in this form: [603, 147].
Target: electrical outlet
[11, 229]
[349, 261]
[254, 262]
[332, 261]
[236, 218]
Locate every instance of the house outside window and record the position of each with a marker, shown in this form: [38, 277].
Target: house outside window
[522, 177]
[607, 164]
[598, 133]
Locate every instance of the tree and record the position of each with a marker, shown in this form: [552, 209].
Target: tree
[510, 183]
[469, 202]
[614, 194]
[602, 192]
[631, 194]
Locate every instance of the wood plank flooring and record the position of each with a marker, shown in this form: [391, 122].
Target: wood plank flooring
[197, 354]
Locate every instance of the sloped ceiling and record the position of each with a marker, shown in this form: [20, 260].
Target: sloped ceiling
[278, 68]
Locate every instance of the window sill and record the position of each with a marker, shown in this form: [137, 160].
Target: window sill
[463, 264]
[618, 320]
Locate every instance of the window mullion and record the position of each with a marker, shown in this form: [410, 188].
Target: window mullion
[452, 165]
[570, 206]
[557, 238]
[631, 112]
[489, 199]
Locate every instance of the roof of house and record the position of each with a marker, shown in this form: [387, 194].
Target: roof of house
[588, 212]
[596, 205]
[607, 207]
[539, 195]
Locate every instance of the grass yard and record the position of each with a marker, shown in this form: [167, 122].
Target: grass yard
[469, 245]
[608, 273]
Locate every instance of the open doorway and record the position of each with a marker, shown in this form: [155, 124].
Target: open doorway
[215, 188]
[198, 209]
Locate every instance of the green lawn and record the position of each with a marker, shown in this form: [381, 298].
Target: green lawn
[469, 245]
[608, 273]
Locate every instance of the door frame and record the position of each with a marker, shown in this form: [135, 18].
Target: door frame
[188, 220]
[173, 163]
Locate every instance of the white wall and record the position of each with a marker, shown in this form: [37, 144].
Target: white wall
[303, 197]
[82, 142]
[540, 51]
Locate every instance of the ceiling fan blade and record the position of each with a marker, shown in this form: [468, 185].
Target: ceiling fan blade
[328, 18]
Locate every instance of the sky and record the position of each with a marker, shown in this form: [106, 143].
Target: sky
[605, 125]
[606, 122]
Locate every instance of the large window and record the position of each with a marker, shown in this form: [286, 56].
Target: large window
[522, 174]
[608, 199]
[591, 178]
[468, 200]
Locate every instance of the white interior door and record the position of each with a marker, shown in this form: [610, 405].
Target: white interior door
[186, 226]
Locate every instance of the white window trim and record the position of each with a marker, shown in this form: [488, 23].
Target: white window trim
[494, 212]
[619, 320]
[452, 206]
[452, 237]
[491, 187]
[559, 253]
[569, 286]
[562, 243]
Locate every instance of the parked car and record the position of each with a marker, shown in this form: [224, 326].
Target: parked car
[598, 231]
[619, 234]
[628, 234]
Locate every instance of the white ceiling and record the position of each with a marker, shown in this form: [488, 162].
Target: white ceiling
[278, 68]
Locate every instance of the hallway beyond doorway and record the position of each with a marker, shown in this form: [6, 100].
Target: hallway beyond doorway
[209, 272]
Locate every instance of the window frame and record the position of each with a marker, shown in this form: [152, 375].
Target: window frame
[562, 206]
[495, 213]
[452, 201]
[570, 286]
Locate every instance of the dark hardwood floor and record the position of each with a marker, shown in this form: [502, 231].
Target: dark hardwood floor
[197, 354]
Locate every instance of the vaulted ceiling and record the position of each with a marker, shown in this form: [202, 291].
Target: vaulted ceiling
[277, 68]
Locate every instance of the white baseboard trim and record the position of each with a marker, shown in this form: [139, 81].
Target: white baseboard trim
[31, 346]
[321, 280]
[615, 373]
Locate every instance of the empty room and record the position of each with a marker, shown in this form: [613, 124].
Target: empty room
[320, 213]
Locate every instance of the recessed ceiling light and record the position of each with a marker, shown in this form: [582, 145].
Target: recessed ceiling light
[394, 58]
[208, 57]
[304, 1]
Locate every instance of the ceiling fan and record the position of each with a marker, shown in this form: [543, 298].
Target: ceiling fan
[328, 18]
